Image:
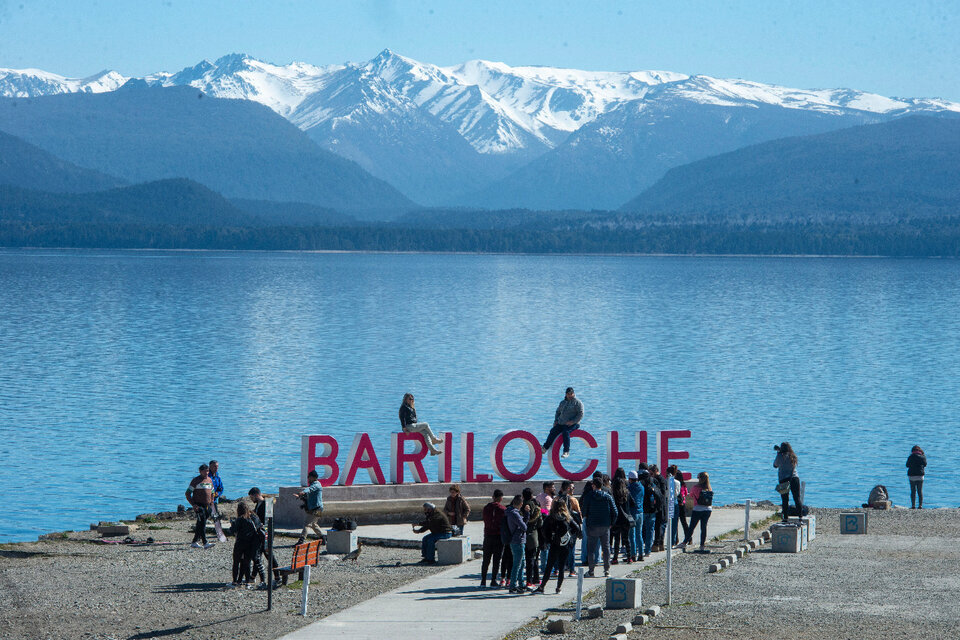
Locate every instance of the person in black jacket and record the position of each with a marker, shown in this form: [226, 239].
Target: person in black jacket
[623, 527]
[915, 472]
[534, 519]
[560, 531]
[409, 424]
[247, 529]
[661, 515]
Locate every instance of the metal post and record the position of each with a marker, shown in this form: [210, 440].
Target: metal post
[746, 520]
[268, 513]
[668, 536]
[306, 590]
[580, 588]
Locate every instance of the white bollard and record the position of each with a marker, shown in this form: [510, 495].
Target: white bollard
[579, 589]
[306, 590]
[746, 521]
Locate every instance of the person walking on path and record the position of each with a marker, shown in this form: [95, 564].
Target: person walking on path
[516, 528]
[786, 465]
[636, 492]
[534, 519]
[565, 420]
[439, 526]
[493, 514]
[559, 529]
[200, 496]
[600, 512]
[409, 424]
[313, 495]
[456, 509]
[916, 464]
[702, 494]
[573, 508]
[625, 522]
[652, 499]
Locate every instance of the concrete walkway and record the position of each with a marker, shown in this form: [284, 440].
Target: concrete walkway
[452, 603]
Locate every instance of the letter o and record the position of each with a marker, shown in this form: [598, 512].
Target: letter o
[534, 456]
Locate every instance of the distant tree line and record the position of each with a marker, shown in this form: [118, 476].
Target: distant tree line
[912, 238]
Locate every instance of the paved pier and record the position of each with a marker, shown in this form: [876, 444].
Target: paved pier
[451, 602]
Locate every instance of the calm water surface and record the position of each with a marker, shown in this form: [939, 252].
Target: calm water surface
[120, 372]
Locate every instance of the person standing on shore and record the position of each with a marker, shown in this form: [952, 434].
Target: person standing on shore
[916, 464]
[599, 512]
[200, 496]
[558, 530]
[313, 495]
[565, 420]
[247, 531]
[545, 499]
[533, 517]
[260, 510]
[573, 507]
[409, 424]
[702, 494]
[625, 522]
[493, 514]
[786, 465]
[636, 492]
[457, 509]
[652, 500]
[516, 528]
[660, 528]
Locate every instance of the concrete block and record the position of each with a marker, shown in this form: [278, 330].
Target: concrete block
[618, 636]
[882, 504]
[811, 522]
[593, 611]
[640, 619]
[478, 554]
[623, 593]
[754, 544]
[624, 627]
[559, 624]
[804, 537]
[732, 558]
[341, 542]
[739, 553]
[787, 538]
[853, 522]
[453, 550]
[766, 536]
[714, 568]
[653, 611]
[724, 563]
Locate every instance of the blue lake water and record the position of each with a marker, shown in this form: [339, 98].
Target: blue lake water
[121, 371]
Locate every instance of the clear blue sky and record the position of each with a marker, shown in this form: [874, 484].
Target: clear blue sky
[906, 47]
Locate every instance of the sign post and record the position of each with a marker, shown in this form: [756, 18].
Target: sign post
[668, 536]
[746, 520]
[268, 516]
[580, 587]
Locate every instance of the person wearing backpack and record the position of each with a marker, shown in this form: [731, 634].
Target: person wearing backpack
[559, 530]
[599, 514]
[915, 471]
[789, 482]
[652, 499]
[702, 494]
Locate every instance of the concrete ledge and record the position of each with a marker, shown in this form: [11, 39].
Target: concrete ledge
[640, 619]
[559, 624]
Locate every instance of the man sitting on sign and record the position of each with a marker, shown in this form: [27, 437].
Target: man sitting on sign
[566, 420]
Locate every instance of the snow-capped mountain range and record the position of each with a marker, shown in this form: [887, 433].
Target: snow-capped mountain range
[441, 133]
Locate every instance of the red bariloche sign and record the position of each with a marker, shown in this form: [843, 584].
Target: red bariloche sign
[321, 452]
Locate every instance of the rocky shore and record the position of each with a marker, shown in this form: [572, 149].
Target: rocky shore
[74, 585]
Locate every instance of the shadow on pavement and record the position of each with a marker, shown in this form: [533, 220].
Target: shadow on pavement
[190, 587]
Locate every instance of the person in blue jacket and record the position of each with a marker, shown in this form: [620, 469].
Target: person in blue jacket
[636, 490]
[516, 527]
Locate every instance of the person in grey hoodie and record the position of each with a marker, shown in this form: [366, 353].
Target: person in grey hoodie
[565, 420]
[600, 513]
[786, 465]
[915, 470]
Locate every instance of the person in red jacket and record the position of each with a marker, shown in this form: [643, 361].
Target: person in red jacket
[493, 514]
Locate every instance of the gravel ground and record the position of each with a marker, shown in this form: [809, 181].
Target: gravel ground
[76, 588]
[902, 580]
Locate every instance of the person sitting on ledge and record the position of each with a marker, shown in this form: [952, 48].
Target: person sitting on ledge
[409, 424]
[438, 525]
[565, 421]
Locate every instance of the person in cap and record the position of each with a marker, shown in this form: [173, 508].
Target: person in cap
[313, 495]
[439, 526]
[565, 421]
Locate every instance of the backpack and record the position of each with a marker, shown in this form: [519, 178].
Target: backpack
[652, 498]
[705, 499]
[505, 533]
